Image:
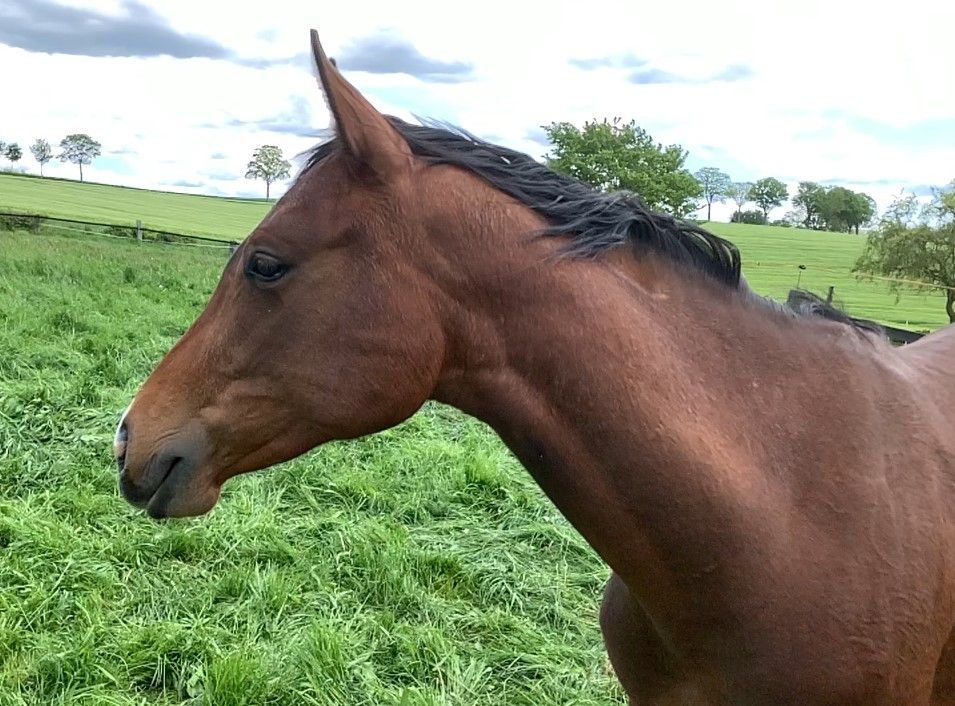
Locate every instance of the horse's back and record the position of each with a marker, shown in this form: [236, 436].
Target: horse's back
[931, 361]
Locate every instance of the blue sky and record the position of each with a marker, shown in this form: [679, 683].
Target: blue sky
[180, 92]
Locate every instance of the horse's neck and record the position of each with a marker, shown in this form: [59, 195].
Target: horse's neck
[608, 393]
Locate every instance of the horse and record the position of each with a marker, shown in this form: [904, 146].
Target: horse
[771, 491]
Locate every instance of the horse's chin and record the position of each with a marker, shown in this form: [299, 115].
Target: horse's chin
[182, 502]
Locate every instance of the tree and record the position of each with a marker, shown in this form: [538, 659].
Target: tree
[841, 209]
[713, 183]
[13, 152]
[917, 252]
[861, 211]
[809, 198]
[42, 153]
[738, 193]
[904, 210]
[79, 148]
[756, 218]
[768, 193]
[615, 156]
[833, 206]
[942, 207]
[268, 164]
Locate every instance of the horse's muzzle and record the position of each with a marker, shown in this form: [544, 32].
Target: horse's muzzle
[157, 480]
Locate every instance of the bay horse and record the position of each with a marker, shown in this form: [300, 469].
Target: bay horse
[772, 492]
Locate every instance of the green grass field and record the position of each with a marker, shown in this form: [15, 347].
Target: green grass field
[771, 255]
[420, 566]
[210, 216]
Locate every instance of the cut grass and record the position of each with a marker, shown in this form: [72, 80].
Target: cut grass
[771, 255]
[419, 566]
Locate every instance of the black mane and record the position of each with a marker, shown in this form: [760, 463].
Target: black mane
[594, 221]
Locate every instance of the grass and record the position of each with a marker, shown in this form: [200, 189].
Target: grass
[418, 567]
[209, 216]
[771, 255]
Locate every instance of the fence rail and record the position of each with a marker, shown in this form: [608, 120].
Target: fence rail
[37, 223]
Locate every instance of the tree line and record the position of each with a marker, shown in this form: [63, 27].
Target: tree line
[267, 161]
[78, 148]
[612, 155]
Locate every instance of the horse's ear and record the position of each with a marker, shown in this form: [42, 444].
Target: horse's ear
[366, 133]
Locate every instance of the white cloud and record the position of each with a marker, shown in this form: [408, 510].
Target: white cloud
[815, 67]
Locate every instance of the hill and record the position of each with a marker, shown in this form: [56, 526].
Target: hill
[210, 216]
[771, 255]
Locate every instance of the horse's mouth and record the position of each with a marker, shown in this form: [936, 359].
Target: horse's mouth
[159, 472]
[156, 506]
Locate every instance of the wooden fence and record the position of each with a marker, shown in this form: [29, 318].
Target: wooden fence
[36, 223]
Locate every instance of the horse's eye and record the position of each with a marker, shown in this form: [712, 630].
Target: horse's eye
[265, 267]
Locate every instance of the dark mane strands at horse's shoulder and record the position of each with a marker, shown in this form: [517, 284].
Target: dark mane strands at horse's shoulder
[594, 220]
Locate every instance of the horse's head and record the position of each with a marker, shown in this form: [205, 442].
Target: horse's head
[322, 326]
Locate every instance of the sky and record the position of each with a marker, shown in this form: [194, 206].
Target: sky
[180, 92]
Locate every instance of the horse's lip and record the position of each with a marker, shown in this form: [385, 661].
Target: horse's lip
[142, 498]
[156, 505]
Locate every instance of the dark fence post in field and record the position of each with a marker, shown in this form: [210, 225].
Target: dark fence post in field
[139, 231]
[829, 295]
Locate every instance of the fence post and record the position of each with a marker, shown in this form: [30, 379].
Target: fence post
[829, 295]
[139, 231]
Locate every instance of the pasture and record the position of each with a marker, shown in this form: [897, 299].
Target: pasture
[209, 216]
[771, 255]
[420, 566]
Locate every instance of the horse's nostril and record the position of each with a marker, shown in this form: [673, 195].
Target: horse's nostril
[119, 445]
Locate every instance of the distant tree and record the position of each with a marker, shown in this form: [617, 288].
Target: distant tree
[13, 152]
[268, 164]
[42, 153]
[942, 208]
[809, 198]
[756, 218]
[841, 209]
[862, 210]
[768, 193]
[796, 218]
[738, 193]
[79, 148]
[915, 251]
[713, 183]
[613, 156]
[833, 206]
